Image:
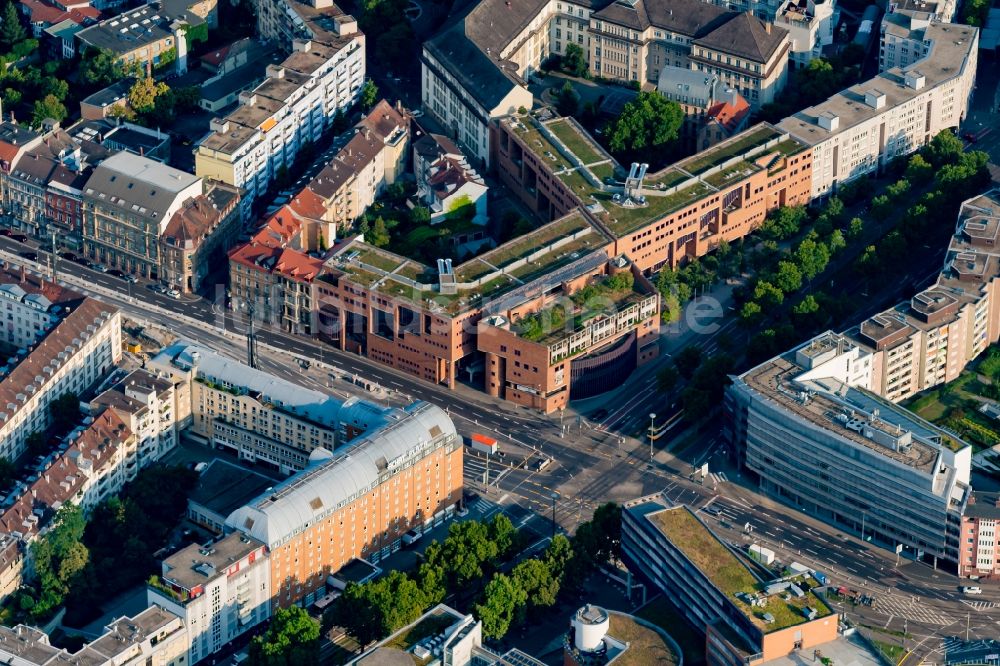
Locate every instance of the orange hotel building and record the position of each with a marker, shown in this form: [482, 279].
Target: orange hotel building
[465, 322]
[356, 502]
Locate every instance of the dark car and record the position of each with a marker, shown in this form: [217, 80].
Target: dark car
[114, 272]
[68, 256]
[20, 238]
[5, 232]
[30, 256]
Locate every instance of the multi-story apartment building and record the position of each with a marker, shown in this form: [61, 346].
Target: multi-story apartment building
[61, 341]
[574, 339]
[15, 141]
[861, 129]
[902, 40]
[979, 548]
[747, 620]
[27, 183]
[633, 40]
[810, 25]
[663, 218]
[151, 220]
[294, 106]
[145, 403]
[198, 236]
[154, 637]
[476, 69]
[807, 426]
[93, 462]
[357, 502]
[220, 591]
[145, 38]
[930, 339]
[258, 416]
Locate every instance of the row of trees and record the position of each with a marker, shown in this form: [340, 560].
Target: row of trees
[476, 561]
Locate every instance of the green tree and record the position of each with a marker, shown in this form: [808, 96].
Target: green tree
[881, 207]
[944, 148]
[420, 215]
[666, 378]
[836, 241]
[56, 87]
[558, 555]
[784, 222]
[379, 235]
[292, 639]
[7, 473]
[536, 580]
[100, 67]
[768, 294]
[897, 189]
[466, 549]
[919, 170]
[502, 533]
[646, 125]
[751, 312]
[567, 100]
[855, 228]
[687, 361]
[812, 257]
[501, 600]
[573, 61]
[48, 107]
[143, 94]
[369, 94]
[11, 30]
[788, 278]
[807, 305]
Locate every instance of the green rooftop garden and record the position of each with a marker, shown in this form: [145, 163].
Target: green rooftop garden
[722, 178]
[380, 260]
[603, 171]
[609, 295]
[525, 245]
[733, 578]
[718, 154]
[623, 221]
[645, 646]
[580, 146]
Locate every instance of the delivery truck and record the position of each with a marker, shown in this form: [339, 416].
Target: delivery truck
[483, 444]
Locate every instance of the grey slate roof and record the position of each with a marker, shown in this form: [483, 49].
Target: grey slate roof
[138, 180]
[331, 482]
[687, 17]
[746, 36]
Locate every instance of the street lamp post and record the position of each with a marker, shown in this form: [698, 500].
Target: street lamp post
[652, 427]
[863, 516]
[554, 497]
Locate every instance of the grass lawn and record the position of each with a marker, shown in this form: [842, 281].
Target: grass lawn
[892, 651]
[937, 406]
[579, 146]
[645, 646]
[662, 614]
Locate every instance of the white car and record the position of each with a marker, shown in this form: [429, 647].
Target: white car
[972, 589]
[411, 537]
[173, 293]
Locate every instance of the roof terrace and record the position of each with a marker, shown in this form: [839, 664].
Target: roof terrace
[593, 176]
[489, 275]
[768, 612]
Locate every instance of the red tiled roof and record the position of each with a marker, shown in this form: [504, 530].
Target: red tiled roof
[65, 476]
[729, 115]
[286, 262]
[8, 152]
[41, 12]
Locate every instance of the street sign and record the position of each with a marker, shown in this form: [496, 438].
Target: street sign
[704, 470]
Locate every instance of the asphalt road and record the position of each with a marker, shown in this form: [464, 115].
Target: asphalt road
[590, 461]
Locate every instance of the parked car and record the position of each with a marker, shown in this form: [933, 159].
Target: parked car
[128, 277]
[411, 537]
[20, 238]
[972, 589]
[100, 268]
[5, 232]
[173, 293]
[30, 256]
[158, 288]
[114, 272]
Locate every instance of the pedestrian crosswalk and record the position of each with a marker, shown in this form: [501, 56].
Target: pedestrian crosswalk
[481, 506]
[980, 605]
[718, 476]
[909, 608]
[949, 643]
